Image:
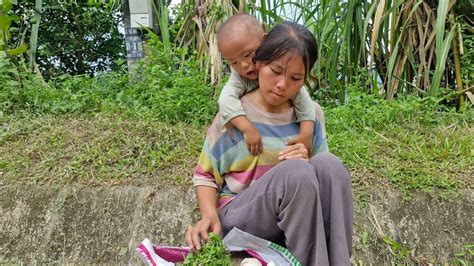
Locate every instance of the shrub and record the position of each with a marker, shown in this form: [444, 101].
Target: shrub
[164, 85]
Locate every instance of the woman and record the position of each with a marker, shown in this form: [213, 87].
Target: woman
[281, 191]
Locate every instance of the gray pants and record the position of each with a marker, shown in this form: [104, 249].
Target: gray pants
[309, 202]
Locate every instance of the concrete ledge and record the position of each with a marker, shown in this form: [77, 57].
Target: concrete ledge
[75, 224]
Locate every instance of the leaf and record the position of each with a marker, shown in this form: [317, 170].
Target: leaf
[469, 246]
[6, 6]
[212, 253]
[442, 52]
[366, 23]
[18, 51]
[5, 22]
[389, 241]
[440, 22]
[375, 33]
[365, 236]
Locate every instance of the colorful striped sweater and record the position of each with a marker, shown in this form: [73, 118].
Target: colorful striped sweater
[225, 162]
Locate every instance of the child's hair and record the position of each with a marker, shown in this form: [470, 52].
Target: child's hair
[248, 22]
[288, 36]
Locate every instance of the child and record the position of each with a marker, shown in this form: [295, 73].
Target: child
[238, 39]
[281, 192]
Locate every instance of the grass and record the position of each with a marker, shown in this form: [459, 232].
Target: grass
[96, 149]
[408, 143]
[402, 144]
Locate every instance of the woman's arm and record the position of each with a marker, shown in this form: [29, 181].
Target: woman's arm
[207, 199]
[295, 151]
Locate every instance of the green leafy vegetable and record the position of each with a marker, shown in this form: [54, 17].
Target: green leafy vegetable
[213, 252]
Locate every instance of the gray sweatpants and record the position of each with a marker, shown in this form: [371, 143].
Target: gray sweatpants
[309, 202]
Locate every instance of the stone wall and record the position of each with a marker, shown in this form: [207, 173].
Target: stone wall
[77, 224]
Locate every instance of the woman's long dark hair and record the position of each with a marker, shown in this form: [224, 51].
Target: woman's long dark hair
[288, 37]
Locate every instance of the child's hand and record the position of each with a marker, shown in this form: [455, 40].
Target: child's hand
[307, 141]
[194, 234]
[253, 140]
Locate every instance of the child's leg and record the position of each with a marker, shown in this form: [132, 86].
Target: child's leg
[286, 199]
[336, 204]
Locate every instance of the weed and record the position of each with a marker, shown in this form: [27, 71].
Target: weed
[97, 149]
[170, 89]
[401, 253]
[464, 257]
[402, 145]
[410, 143]
[213, 252]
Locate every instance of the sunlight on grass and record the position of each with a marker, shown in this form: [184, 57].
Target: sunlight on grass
[96, 149]
[405, 144]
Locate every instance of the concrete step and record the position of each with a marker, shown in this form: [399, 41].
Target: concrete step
[77, 224]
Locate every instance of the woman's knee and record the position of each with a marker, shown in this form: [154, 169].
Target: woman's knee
[329, 165]
[296, 171]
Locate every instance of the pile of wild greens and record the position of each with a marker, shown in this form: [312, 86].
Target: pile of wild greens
[213, 252]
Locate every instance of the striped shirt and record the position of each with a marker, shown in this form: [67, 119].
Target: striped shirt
[225, 162]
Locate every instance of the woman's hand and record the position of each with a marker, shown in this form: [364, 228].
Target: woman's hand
[306, 140]
[194, 234]
[295, 151]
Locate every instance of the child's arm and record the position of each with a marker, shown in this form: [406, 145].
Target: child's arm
[306, 115]
[251, 135]
[232, 112]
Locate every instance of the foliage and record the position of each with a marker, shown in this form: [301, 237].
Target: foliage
[410, 144]
[401, 253]
[9, 45]
[198, 23]
[172, 89]
[13, 75]
[175, 90]
[404, 45]
[92, 149]
[467, 59]
[213, 252]
[75, 37]
[464, 257]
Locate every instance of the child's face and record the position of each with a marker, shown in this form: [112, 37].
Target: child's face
[239, 52]
[281, 79]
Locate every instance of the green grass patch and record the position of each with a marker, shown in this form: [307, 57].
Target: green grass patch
[406, 144]
[409, 143]
[96, 149]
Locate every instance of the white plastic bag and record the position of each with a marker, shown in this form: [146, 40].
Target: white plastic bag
[236, 240]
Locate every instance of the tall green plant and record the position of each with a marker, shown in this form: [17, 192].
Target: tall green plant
[12, 47]
[34, 32]
[443, 43]
[198, 32]
[403, 45]
[161, 13]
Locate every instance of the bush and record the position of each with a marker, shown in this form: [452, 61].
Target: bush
[164, 85]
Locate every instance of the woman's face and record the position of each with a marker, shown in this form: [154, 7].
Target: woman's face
[281, 79]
